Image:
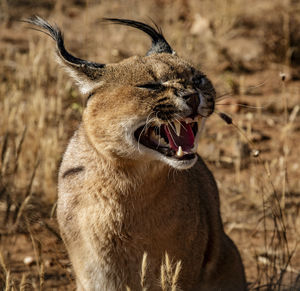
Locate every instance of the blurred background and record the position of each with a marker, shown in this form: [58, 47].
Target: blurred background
[251, 52]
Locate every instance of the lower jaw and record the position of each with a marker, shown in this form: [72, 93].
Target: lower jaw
[184, 164]
[185, 157]
[170, 153]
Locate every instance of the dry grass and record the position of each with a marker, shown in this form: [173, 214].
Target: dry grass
[243, 50]
[169, 275]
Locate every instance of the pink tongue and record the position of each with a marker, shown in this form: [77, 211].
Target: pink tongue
[185, 140]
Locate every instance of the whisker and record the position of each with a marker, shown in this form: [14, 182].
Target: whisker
[138, 141]
[171, 134]
[149, 119]
[145, 127]
[257, 86]
[224, 96]
[243, 105]
[180, 117]
[180, 124]
[174, 174]
[143, 130]
[159, 131]
[171, 125]
[159, 135]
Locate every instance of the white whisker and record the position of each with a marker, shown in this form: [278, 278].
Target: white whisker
[159, 136]
[138, 141]
[180, 117]
[180, 124]
[145, 127]
[171, 133]
[171, 125]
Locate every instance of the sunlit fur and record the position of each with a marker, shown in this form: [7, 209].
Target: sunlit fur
[119, 199]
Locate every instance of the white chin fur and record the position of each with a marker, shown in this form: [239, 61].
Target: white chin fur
[180, 164]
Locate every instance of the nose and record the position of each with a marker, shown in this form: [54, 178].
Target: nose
[193, 100]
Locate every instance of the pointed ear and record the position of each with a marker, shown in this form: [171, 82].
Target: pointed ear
[159, 43]
[87, 74]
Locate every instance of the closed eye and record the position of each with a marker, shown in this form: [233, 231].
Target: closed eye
[151, 86]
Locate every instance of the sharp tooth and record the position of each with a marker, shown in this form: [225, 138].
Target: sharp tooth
[179, 152]
[157, 138]
[177, 127]
[162, 141]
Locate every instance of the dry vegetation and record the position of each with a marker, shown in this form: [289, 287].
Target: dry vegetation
[252, 54]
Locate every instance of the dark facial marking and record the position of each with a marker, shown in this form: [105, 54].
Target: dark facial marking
[162, 106]
[72, 171]
[152, 86]
[162, 99]
[165, 115]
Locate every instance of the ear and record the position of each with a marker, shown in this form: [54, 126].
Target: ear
[159, 43]
[86, 74]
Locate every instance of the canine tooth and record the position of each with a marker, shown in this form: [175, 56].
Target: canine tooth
[179, 152]
[177, 127]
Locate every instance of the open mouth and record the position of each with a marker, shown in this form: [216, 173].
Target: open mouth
[175, 139]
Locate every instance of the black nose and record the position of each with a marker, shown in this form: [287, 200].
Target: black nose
[193, 100]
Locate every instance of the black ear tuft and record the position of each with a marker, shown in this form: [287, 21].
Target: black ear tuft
[54, 32]
[159, 44]
[86, 74]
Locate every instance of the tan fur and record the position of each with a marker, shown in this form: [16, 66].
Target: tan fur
[119, 200]
[117, 208]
